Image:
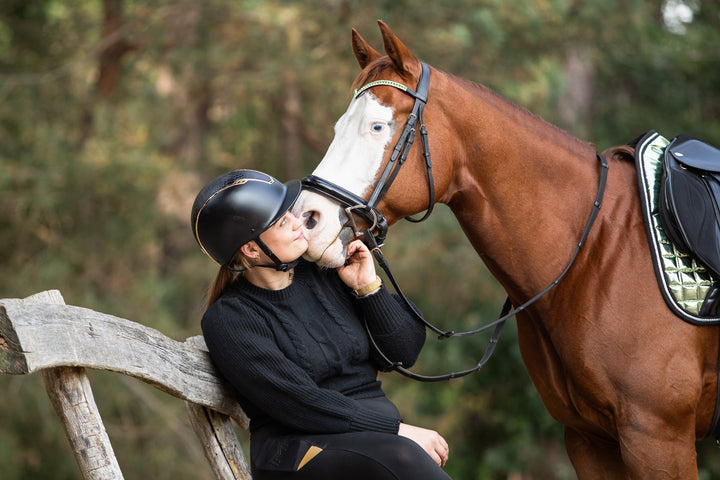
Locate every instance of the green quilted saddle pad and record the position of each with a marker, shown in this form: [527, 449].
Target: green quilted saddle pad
[684, 283]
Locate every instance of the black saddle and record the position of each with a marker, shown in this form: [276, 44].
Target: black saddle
[689, 199]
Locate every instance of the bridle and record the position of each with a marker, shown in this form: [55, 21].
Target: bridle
[355, 205]
[374, 235]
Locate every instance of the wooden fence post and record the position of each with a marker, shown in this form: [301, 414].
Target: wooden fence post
[215, 431]
[220, 442]
[70, 392]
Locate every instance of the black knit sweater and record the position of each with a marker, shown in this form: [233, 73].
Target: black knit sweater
[300, 359]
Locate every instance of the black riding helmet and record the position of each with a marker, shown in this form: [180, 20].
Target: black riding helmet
[237, 207]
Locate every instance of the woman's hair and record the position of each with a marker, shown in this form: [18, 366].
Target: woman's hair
[226, 276]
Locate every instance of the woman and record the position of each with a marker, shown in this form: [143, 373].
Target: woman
[292, 339]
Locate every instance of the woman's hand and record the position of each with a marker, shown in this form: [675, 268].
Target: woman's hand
[430, 441]
[359, 269]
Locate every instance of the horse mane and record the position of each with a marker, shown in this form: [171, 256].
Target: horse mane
[376, 69]
[473, 87]
[624, 153]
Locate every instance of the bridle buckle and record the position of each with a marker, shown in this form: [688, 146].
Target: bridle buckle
[367, 213]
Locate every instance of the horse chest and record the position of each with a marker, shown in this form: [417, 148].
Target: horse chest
[573, 395]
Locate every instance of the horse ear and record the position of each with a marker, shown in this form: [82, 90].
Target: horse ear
[403, 58]
[364, 53]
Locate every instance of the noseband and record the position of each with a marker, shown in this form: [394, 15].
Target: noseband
[367, 210]
[375, 234]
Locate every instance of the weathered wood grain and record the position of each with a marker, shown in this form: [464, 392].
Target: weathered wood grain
[220, 443]
[71, 395]
[37, 336]
[217, 436]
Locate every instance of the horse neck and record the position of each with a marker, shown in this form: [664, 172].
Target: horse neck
[521, 189]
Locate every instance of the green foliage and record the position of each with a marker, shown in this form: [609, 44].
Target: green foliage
[98, 168]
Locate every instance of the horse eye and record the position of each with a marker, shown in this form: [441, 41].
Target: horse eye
[377, 127]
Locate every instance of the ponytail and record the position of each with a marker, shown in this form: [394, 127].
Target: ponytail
[225, 277]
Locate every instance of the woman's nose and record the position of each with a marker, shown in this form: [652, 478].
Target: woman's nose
[297, 222]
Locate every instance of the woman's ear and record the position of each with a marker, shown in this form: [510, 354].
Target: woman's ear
[250, 250]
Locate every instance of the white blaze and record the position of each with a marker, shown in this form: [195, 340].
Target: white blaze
[351, 161]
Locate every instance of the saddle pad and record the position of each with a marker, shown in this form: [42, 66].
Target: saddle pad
[684, 284]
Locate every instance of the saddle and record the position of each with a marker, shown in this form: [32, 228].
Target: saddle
[677, 192]
[689, 204]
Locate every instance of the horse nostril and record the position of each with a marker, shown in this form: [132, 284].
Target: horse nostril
[310, 220]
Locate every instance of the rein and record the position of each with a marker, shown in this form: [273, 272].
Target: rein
[375, 234]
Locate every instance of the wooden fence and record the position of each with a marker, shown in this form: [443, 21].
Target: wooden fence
[42, 334]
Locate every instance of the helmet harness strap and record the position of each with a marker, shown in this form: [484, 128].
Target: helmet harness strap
[278, 265]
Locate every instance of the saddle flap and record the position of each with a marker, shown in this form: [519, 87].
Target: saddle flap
[690, 199]
[695, 212]
[695, 153]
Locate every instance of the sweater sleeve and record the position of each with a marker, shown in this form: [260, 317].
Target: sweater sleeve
[243, 348]
[394, 327]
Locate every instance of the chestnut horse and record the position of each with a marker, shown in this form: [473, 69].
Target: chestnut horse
[632, 384]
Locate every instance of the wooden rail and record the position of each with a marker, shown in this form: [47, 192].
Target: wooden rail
[42, 334]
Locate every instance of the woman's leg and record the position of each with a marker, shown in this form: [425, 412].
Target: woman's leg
[361, 456]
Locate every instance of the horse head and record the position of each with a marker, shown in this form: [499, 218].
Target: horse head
[362, 149]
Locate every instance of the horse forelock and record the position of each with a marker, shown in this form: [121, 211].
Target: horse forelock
[379, 70]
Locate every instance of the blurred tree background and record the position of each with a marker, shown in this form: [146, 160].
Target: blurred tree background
[114, 113]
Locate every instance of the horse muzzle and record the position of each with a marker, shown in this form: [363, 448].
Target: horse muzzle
[360, 216]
